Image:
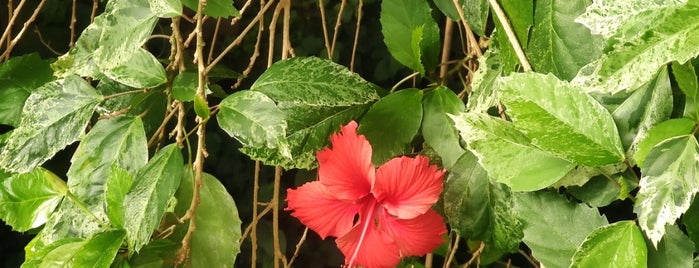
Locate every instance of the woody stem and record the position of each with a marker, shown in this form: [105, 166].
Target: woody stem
[367, 221]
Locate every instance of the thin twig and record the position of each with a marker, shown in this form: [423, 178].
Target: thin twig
[183, 254]
[356, 33]
[471, 39]
[255, 54]
[24, 28]
[324, 24]
[73, 20]
[511, 35]
[253, 225]
[240, 37]
[93, 13]
[338, 22]
[242, 11]
[476, 255]
[298, 248]
[529, 258]
[47, 45]
[404, 80]
[446, 49]
[13, 17]
[452, 251]
[275, 215]
[213, 41]
[124, 93]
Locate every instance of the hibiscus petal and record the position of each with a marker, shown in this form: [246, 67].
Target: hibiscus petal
[346, 169]
[376, 250]
[417, 236]
[320, 210]
[408, 187]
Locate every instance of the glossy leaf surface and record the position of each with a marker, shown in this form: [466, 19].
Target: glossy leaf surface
[27, 200]
[410, 33]
[437, 128]
[619, 244]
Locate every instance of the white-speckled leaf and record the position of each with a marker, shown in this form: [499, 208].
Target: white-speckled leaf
[668, 186]
[54, 116]
[166, 8]
[619, 244]
[642, 45]
[255, 120]
[315, 96]
[606, 18]
[508, 155]
[142, 70]
[561, 119]
[148, 197]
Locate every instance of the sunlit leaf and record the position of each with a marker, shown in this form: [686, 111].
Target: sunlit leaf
[484, 93]
[117, 142]
[98, 250]
[668, 185]
[392, 123]
[437, 128]
[19, 76]
[619, 244]
[665, 130]
[215, 241]
[117, 186]
[410, 33]
[54, 116]
[153, 186]
[315, 97]
[640, 42]
[27, 200]
[558, 44]
[551, 217]
[479, 209]
[498, 144]
[561, 119]
[142, 70]
[215, 8]
[166, 8]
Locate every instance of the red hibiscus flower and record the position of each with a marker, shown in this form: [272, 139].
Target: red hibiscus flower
[378, 215]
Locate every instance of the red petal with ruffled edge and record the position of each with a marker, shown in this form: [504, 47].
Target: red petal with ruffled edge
[408, 187]
[346, 169]
[320, 210]
[377, 250]
[417, 236]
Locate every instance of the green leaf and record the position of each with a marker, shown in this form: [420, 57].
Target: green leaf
[479, 209]
[668, 185]
[410, 33]
[54, 116]
[117, 143]
[607, 18]
[674, 250]
[640, 44]
[315, 96]
[392, 123]
[551, 217]
[215, 8]
[520, 14]
[619, 244]
[117, 186]
[437, 129]
[255, 120]
[142, 70]
[97, 251]
[555, 40]
[108, 87]
[686, 77]
[645, 108]
[561, 119]
[112, 44]
[184, 87]
[600, 191]
[27, 200]
[498, 144]
[475, 12]
[690, 220]
[200, 107]
[215, 241]
[19, 76]
[660, 132]
[35, 255]
[166, 8]
[148, 197]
